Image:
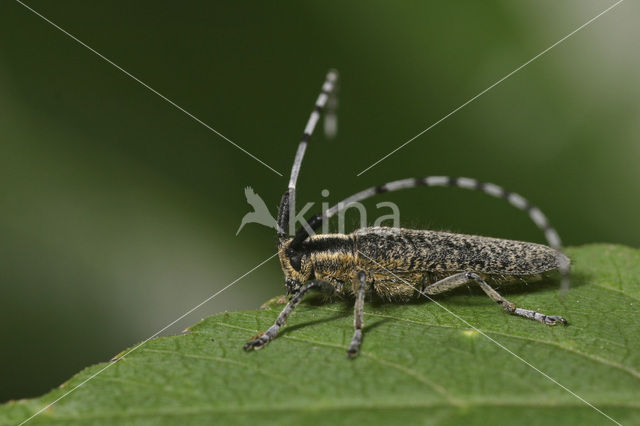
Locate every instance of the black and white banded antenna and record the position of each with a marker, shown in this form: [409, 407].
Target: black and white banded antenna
[326, 102]
[516, 200]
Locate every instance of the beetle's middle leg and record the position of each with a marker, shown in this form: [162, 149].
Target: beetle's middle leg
[463, 278]
[264, 338]
[358, 313]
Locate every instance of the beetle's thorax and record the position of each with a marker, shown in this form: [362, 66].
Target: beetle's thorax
[328, 257]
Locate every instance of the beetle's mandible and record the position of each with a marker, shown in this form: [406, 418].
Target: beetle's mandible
[398, 263]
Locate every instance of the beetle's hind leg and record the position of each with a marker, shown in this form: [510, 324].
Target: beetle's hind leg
[358, 322]
[263, 338]
[463, 278]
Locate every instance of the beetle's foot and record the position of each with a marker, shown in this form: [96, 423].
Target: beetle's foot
[354, 347]
[537, 316]
[554, 319]
[353, 352]
[256, 343]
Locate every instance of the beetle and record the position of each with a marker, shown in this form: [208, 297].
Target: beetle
[398, 263]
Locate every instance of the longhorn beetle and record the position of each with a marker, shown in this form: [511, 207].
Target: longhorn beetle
[398, 263]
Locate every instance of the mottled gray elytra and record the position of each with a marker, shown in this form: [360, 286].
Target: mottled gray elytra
[396, 263]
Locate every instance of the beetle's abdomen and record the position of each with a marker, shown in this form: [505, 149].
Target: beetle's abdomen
[406, 250]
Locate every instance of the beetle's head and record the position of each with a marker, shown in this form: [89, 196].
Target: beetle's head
[296, 265]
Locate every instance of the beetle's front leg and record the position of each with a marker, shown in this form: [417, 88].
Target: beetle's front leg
[264, 338]
[356, 341]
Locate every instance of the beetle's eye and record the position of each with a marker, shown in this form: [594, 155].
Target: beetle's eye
[296, 261]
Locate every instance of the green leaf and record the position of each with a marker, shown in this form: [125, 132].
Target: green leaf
[419, 364]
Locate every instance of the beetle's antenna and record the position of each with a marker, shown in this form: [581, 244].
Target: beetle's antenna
[514, 199]
[327, 90]
[326, 100]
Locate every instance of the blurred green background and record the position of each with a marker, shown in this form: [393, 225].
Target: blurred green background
[119, 212]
